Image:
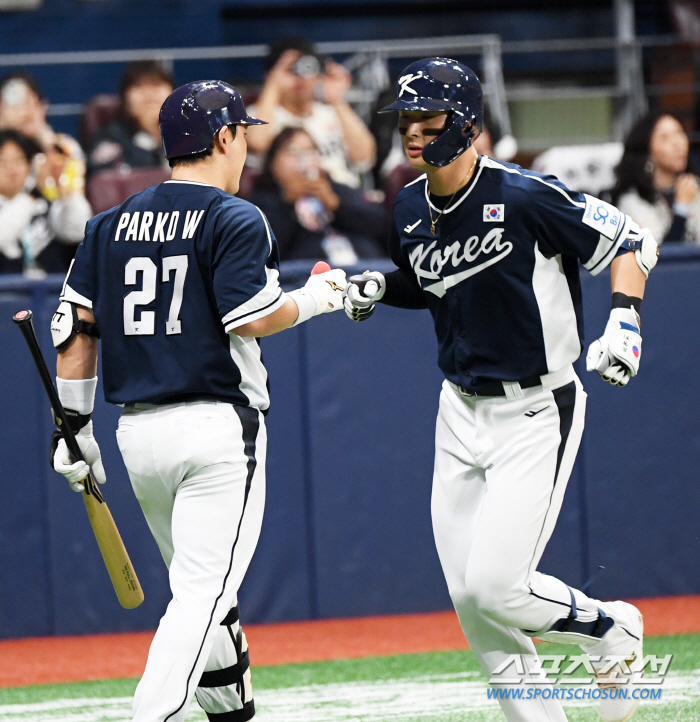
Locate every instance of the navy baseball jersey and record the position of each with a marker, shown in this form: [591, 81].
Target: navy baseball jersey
[501, 276]
[167, 274]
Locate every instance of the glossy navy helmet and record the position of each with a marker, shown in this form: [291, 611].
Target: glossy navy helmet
[441, 84]
[192, 115]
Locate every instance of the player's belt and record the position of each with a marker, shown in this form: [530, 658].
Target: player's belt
[499, 388]
[514, 389]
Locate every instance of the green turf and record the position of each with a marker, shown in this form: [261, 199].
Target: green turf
[393, 669]
[684, 647]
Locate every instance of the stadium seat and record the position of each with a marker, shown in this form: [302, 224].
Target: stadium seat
[112, 187]
[396, 180]
[97, 113]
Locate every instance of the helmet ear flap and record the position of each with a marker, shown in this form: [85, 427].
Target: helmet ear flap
[452, 142]
[469, 131]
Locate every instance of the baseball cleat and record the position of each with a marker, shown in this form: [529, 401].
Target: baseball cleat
[618, 705]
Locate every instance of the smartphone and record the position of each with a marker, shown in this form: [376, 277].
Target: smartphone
[307, 66]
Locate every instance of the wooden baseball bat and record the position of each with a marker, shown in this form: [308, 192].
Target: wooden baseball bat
[116, 558]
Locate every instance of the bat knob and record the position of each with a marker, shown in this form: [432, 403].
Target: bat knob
[320, 267]
[22, 316]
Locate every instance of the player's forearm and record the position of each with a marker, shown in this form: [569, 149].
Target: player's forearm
[275, 322]
[358, 139]
[79, 359]
[322, 293]
[403, 290]
[626, 276]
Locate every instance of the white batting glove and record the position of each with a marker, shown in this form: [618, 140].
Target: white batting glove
[615, 355]
[361, 294]
[75, 472]
[322, 293]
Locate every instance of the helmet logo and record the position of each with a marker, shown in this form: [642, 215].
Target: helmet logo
[404, 81]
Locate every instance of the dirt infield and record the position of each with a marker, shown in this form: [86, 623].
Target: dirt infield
[48, 660]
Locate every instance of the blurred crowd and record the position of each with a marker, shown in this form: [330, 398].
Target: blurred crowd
[324, 179]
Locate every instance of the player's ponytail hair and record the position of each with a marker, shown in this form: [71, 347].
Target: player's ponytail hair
[634, 172]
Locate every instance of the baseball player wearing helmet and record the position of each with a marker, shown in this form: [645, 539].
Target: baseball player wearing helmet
[492, 250]
[181, 280]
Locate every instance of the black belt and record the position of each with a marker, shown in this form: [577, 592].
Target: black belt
[495, 388]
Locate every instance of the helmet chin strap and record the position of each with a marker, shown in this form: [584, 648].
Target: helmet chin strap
[457, 136]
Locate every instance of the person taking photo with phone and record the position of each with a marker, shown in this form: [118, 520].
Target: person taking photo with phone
[297, 80]
[311, 215]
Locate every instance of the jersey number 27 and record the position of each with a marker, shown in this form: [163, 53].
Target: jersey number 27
[145, 325]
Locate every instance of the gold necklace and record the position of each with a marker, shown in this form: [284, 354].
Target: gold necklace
[433, 223]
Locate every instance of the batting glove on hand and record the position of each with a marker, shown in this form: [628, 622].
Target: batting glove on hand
[615, 355]
[327, 290]
[76, 471]
[322, 293]
[361, 294]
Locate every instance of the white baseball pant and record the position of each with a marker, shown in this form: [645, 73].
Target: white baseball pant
[501, 469]
[198, 471]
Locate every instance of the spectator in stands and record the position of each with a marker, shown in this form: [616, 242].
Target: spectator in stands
[132, 139]
[654, 182]
[37, 236]
[23, 108]
[295, 72]
[311, 215]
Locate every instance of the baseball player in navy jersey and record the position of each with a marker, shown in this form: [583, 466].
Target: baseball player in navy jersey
[180, 281]
[493, 252]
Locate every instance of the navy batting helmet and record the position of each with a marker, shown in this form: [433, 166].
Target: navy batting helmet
[441, 84]
[192, 115]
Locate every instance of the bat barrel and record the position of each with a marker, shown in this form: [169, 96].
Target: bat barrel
[119, 567]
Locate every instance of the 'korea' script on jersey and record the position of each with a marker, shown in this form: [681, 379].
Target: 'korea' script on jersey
[501, 275]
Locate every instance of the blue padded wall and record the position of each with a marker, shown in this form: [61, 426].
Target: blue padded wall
[347, 524]
[279, 582]
[642, 446]
[373, 394]
[26, 603]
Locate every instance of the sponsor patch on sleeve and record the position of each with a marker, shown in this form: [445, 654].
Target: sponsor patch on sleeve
[601, 216]
[494, 212]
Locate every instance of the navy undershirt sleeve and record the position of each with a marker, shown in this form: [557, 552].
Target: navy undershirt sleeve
[403, 290]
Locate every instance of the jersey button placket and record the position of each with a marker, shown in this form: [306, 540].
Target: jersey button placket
[458, 326]
[455, 295]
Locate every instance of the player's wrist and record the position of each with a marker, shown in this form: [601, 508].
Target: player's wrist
[306, 304]
[77, 394]
[622, 300]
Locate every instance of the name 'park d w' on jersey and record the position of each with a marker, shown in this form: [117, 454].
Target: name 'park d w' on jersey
[501, 276]
[167, 274]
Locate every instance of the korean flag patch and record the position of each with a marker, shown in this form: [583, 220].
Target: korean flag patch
[601, 216]
[494, 212]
